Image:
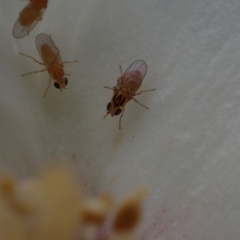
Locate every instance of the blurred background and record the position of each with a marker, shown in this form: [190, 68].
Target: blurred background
[185, 148]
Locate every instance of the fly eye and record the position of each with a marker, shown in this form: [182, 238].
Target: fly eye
[119, 110]
[108, 106]
[56, 85]
[66, 81]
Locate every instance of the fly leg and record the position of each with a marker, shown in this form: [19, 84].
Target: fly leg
[32, 58]
[150, 90]
[105, 115]
[109, 88]
[120, 67]
[69, 61]
[49, 85]
[120, 120]
[139, 103]
[43, 70]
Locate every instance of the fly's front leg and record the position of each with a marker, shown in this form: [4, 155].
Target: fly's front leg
[32, 58]
[106, 115]
[49, 85]
[120, 120]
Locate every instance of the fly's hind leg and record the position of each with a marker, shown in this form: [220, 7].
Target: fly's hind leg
[49, 85]
[32, 58]
[150, 90]
[69, 61]
[120, 67]
[139, 103]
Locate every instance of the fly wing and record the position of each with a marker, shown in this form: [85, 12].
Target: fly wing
[20, 31]
[42, 39]
[134, 75]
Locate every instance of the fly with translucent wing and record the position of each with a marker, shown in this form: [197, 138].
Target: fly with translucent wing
[29, 17]
[126, 88]
[52, 61]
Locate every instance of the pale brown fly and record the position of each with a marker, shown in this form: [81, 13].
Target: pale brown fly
[52, 61]
[28, 18]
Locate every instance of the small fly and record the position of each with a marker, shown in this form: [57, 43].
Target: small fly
[126, 88]
[29, 17]
[52, 61]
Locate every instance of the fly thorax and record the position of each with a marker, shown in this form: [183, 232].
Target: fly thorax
[119, 99]
[56, 71]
